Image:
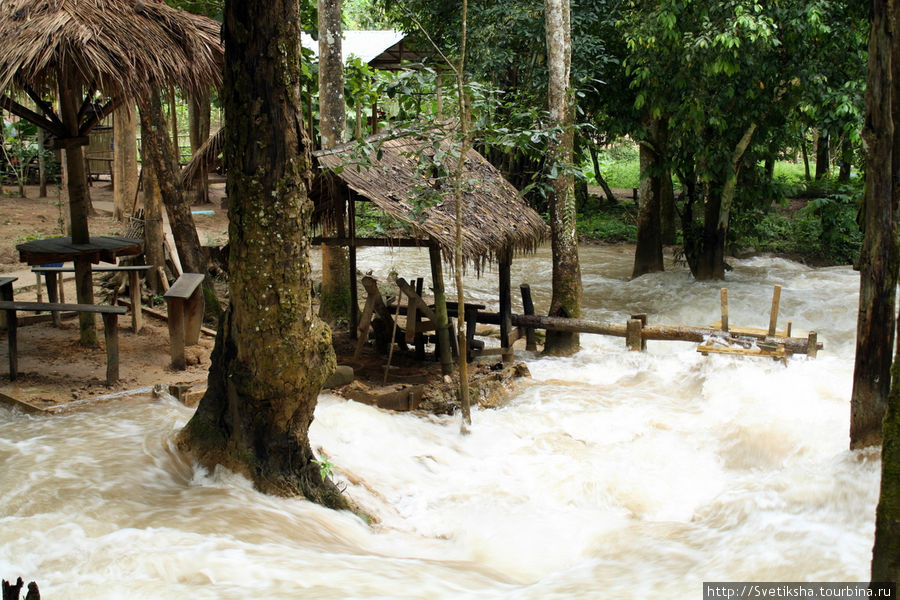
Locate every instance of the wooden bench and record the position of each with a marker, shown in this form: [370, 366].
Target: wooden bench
[6, 294]
[110, 316]
[51, 277]
[184, 303]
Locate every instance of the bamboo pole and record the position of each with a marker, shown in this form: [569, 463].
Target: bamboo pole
[724, 297]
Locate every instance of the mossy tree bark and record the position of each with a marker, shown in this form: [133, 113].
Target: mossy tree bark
[125, 167]
[886, 551]
[334, 301]
[272, 353]
[878, 255]
[567, 288]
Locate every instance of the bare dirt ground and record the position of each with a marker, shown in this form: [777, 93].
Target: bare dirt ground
[57, 373]
[54, 369]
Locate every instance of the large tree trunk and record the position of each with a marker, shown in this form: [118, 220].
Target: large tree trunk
[125, 170]
[567, 289]
[154, 248]
[648, 255]
[272, 353]
[886, 551]
[198, 126]
[878, 255]
[334, 301]
[79, 205]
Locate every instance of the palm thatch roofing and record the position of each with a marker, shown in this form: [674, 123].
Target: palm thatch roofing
[123, 49]
[406, 176]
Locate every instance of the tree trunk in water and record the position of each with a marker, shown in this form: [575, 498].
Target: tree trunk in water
[823, 151]
[710, 258]
[886, 551]
[334, 301]
[567, 289]
[668, 217]
[272, 353]
[648, 255]
[154, 250]
[878, 255]
[198, 125]
[125, 170]
[178, 206]
[79, 206]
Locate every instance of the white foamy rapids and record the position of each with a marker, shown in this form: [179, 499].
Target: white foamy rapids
[611, 474]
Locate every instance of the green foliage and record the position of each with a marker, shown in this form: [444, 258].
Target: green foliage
[326, 467]
[607, 227]
[20, 152]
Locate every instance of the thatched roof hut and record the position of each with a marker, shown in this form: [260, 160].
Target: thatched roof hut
[397, 175]
[122, 48]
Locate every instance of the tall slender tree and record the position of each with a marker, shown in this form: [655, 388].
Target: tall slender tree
[272, 353]
[334, 302]
[886, 550]
[567, 288]
[879, 254]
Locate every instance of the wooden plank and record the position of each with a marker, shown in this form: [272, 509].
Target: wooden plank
[39, 306]
[633, 334]
[185, 286]
[175, 309]
[98, 269]
[756, 332]
[778, 353]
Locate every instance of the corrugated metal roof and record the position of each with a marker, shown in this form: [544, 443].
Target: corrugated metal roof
[379, 48]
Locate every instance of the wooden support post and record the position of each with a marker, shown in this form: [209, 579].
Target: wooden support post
[528, 309]
[53, 284]
[419, 338]
[505, 306]
[366, 318]
[134, 291]
[724, 295]
[471, 313]
[12, 343]
[773, 316]
[441, 322]
[111, 333]
[6, 294]
[175, 313]
[633, 334]
[642, 317]
[812, 345]
[351, 255]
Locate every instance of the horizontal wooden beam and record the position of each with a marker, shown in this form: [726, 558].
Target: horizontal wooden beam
[374, 242]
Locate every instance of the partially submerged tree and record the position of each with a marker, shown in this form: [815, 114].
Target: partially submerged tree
[272, 353]
[97, 54]
[885, 62]
[567, 290]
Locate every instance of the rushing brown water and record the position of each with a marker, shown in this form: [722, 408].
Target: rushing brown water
[611, 475]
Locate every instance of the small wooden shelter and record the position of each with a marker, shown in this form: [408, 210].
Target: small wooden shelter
[404, 175]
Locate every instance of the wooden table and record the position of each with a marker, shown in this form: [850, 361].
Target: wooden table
[101, 248]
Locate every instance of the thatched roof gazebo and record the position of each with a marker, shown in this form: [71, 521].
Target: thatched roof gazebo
[96, 55]
[399, 175]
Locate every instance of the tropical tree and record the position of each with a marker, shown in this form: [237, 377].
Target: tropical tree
[722, 76]
[567, 290]
[272, 353]
[882, 137]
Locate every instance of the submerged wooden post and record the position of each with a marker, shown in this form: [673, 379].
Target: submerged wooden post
[642, 317]
[528, 309]
[440, 309]
[773, 316]
[633, 334]
[505, 306]
[724, 296]
[812, 345]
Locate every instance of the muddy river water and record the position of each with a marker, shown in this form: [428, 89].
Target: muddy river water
[611, 474]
